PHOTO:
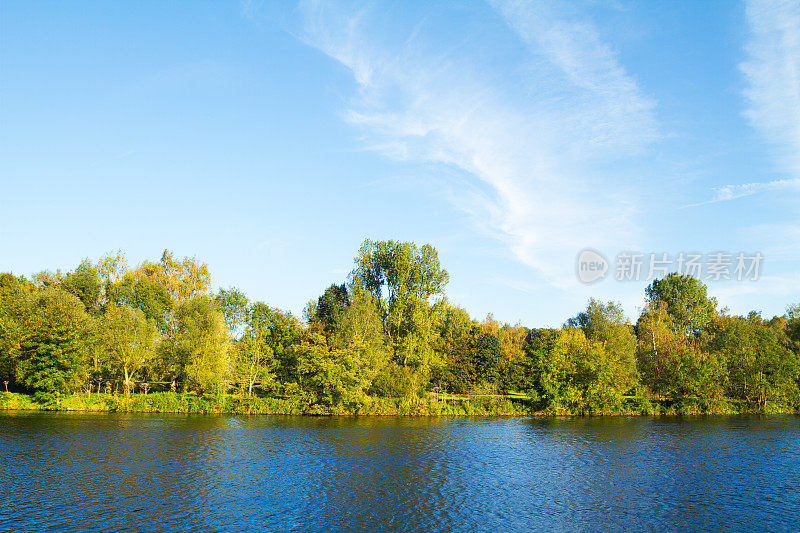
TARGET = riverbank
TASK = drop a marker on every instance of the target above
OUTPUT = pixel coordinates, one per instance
(517, 405)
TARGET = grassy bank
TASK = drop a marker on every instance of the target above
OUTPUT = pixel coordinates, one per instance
(516, 405)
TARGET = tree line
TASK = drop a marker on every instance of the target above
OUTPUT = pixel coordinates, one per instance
(387, 332)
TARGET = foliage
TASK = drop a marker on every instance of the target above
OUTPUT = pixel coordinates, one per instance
(388, 342)
(234, 307)
(579, 375)
(404, 279)
(278, 333)
(687, 302)
(670, 364)
(606, 324)
(183, 279)
(202, 345)
(127, 342)
(329, 308)
(760, 366)
(15, 306)
(145, 294)
(51, 350)
(84, 282)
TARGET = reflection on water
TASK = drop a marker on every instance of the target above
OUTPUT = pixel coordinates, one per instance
(112, 472)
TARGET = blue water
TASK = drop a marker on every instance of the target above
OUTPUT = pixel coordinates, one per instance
(126, 472)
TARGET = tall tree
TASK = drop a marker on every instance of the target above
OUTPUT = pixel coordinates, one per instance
(278, 333)
(84, 282)
(52, 352)
(330, 307)
(203, 345)
(404, 279)
(760, 367)
(145, 294)
(127, 341)
(578, 375)
(183, 279)
(687, 302)
(672, 365)
(254, 363)
(607, 324)
(793, 327)
(15, 308)
(234, 306)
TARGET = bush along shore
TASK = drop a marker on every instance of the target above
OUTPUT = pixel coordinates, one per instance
(387, 341)
(434, 405)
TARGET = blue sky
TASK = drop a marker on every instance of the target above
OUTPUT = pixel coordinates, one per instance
(270, 139)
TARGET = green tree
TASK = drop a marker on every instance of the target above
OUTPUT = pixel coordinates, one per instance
(329, 308)
(127, 341)
(254, 362)
(607, 324)
(760, 366)
(184, 279)
(147, 295)
(488, 354)
(278, 332)
(578, 375)
(404, 279)
(234, 306)
(688, 305)
(792, 327)
(203, 345)
(538, 346)
(461, 373)
(266, 349)
(453, 327)
(335, 379)
(84, 282)
(15, 308)
(52, 351)
(672, 365)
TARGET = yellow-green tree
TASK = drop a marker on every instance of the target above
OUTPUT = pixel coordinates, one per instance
(203, 345)
(127, 342)
(406, 280)
(761, 368)
(672, 365)
(606, 323)
(183, 279)
(579, 375)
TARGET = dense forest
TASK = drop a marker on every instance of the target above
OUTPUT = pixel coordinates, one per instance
(155, 337)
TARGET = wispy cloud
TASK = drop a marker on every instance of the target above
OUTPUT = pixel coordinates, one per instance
(734, 192)
(773, 76)
(772, 72)
(536, 132)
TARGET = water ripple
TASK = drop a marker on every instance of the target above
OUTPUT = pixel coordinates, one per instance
(118, 472)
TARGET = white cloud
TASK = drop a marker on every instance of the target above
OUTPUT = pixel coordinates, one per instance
(535, 130)
(772, 72)
(773, 76)
(734, 192)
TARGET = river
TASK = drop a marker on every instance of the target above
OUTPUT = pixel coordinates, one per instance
(133, 472)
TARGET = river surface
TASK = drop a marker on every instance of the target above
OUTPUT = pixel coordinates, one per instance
(132, 472)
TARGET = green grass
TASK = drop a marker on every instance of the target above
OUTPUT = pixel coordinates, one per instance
(442, 405)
